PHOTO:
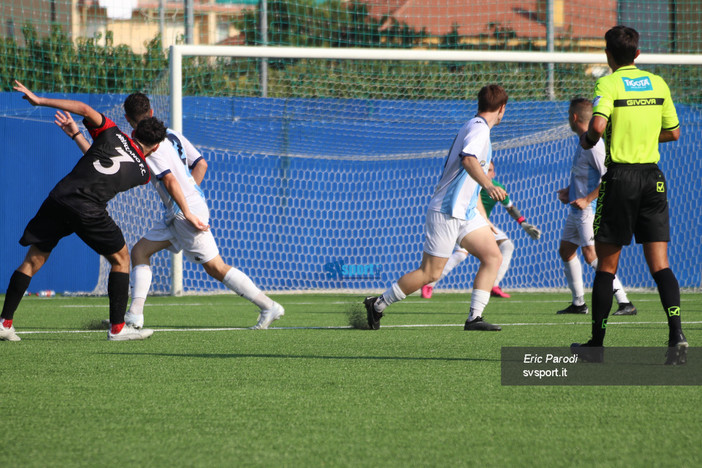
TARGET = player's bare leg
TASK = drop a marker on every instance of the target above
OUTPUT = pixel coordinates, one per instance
(481, 244)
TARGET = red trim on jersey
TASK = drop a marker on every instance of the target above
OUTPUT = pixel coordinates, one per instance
(95, 131)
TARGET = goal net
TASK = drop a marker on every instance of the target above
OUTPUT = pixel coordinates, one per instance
(319, 177)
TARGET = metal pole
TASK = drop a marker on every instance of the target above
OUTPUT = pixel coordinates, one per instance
(189, 22)
(162, 21)
(263, 29)
(550, 28)
(176, 92)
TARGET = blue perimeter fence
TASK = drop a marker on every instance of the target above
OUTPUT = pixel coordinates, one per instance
(335, 223)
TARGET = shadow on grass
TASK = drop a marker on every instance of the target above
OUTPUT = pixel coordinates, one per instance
(304, 356)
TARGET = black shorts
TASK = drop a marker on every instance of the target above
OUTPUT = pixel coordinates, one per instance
(54, 221)
(632, 201)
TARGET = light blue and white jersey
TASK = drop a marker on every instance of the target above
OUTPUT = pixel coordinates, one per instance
(457, 193)
(172, 157)
(586, 173)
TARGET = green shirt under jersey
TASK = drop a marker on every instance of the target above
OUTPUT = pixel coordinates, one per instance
(488, 202)
(637, 106)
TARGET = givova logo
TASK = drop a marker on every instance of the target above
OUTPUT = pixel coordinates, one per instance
(339, 270)
(637, 84)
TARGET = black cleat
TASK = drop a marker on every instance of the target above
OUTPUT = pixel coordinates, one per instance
(626, 308)
(480, 325)
(373, 315)
(676, 355)
(588, 352)
(573, 309)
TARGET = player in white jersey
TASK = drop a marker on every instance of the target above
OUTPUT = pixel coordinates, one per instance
(185, 225)
(585, 176)
(456, 216)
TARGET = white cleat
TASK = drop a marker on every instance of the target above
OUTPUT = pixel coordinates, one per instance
(267, 316)
(129, 333)
(8, 334)
(135, 320)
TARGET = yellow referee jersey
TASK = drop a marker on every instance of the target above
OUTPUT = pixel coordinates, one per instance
(637, 106)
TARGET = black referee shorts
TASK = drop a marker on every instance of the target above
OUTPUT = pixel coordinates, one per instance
(55, 221)
(632, 201)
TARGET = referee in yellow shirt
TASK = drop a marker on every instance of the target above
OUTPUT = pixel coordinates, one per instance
(634, 112)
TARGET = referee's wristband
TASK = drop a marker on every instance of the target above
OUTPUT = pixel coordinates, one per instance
(75, 135)
(587, 138)
(521, 220)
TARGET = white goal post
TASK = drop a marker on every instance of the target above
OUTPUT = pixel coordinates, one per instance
(179, 52)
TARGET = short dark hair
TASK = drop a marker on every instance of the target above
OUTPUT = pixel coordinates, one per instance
(581, 107)
(491, 98)
(137, 106)
(622, 44)
(150, 131)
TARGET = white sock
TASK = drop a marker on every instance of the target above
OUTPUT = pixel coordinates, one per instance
(458, 256)
(237, 281)
(478, 300)
(574, 276)
(141, 283)
(392, 295)
(507, 249)
(619, 292)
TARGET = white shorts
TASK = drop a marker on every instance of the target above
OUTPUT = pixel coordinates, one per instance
(442, 232)
(500, 235)
(197, 246)
(578, 228)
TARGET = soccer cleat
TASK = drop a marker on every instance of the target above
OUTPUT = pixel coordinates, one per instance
(588, 352)
(573, 309)
(135, 320)
(8, 334)
(129, 333)
(497, 292)
(480, 325)
(373, 315)
(625, 308)
(268, 316)
(427, 289)
(676, 355)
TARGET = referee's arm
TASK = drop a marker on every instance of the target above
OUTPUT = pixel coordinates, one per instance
(669, 135)
(595, 129)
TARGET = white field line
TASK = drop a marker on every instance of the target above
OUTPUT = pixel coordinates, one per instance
(426, 325)
(285, 303)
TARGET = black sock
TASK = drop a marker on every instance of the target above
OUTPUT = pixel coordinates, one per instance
(19, 282)
(669, 292)
(118, 294)
(602, 292)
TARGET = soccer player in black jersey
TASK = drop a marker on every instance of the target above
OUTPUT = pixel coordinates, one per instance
(78, 204)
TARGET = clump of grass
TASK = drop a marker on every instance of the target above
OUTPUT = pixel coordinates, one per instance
(356, 314)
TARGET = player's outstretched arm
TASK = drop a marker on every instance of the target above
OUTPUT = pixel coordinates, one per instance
(93, 117)
(173, 188)
(66, 123)
(530, 229)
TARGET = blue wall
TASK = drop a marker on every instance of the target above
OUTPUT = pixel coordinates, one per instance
(295, 223)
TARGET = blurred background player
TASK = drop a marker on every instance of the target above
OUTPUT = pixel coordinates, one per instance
(503, 242)
(585, 176)
(78, 204)
(456, 216)
(184, 227)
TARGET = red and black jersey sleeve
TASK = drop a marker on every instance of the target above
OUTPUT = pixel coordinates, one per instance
(96, 131)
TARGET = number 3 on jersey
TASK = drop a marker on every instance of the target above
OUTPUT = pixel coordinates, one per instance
(116, 161)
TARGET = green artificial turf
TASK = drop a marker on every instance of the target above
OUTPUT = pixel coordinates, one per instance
(314, 392)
